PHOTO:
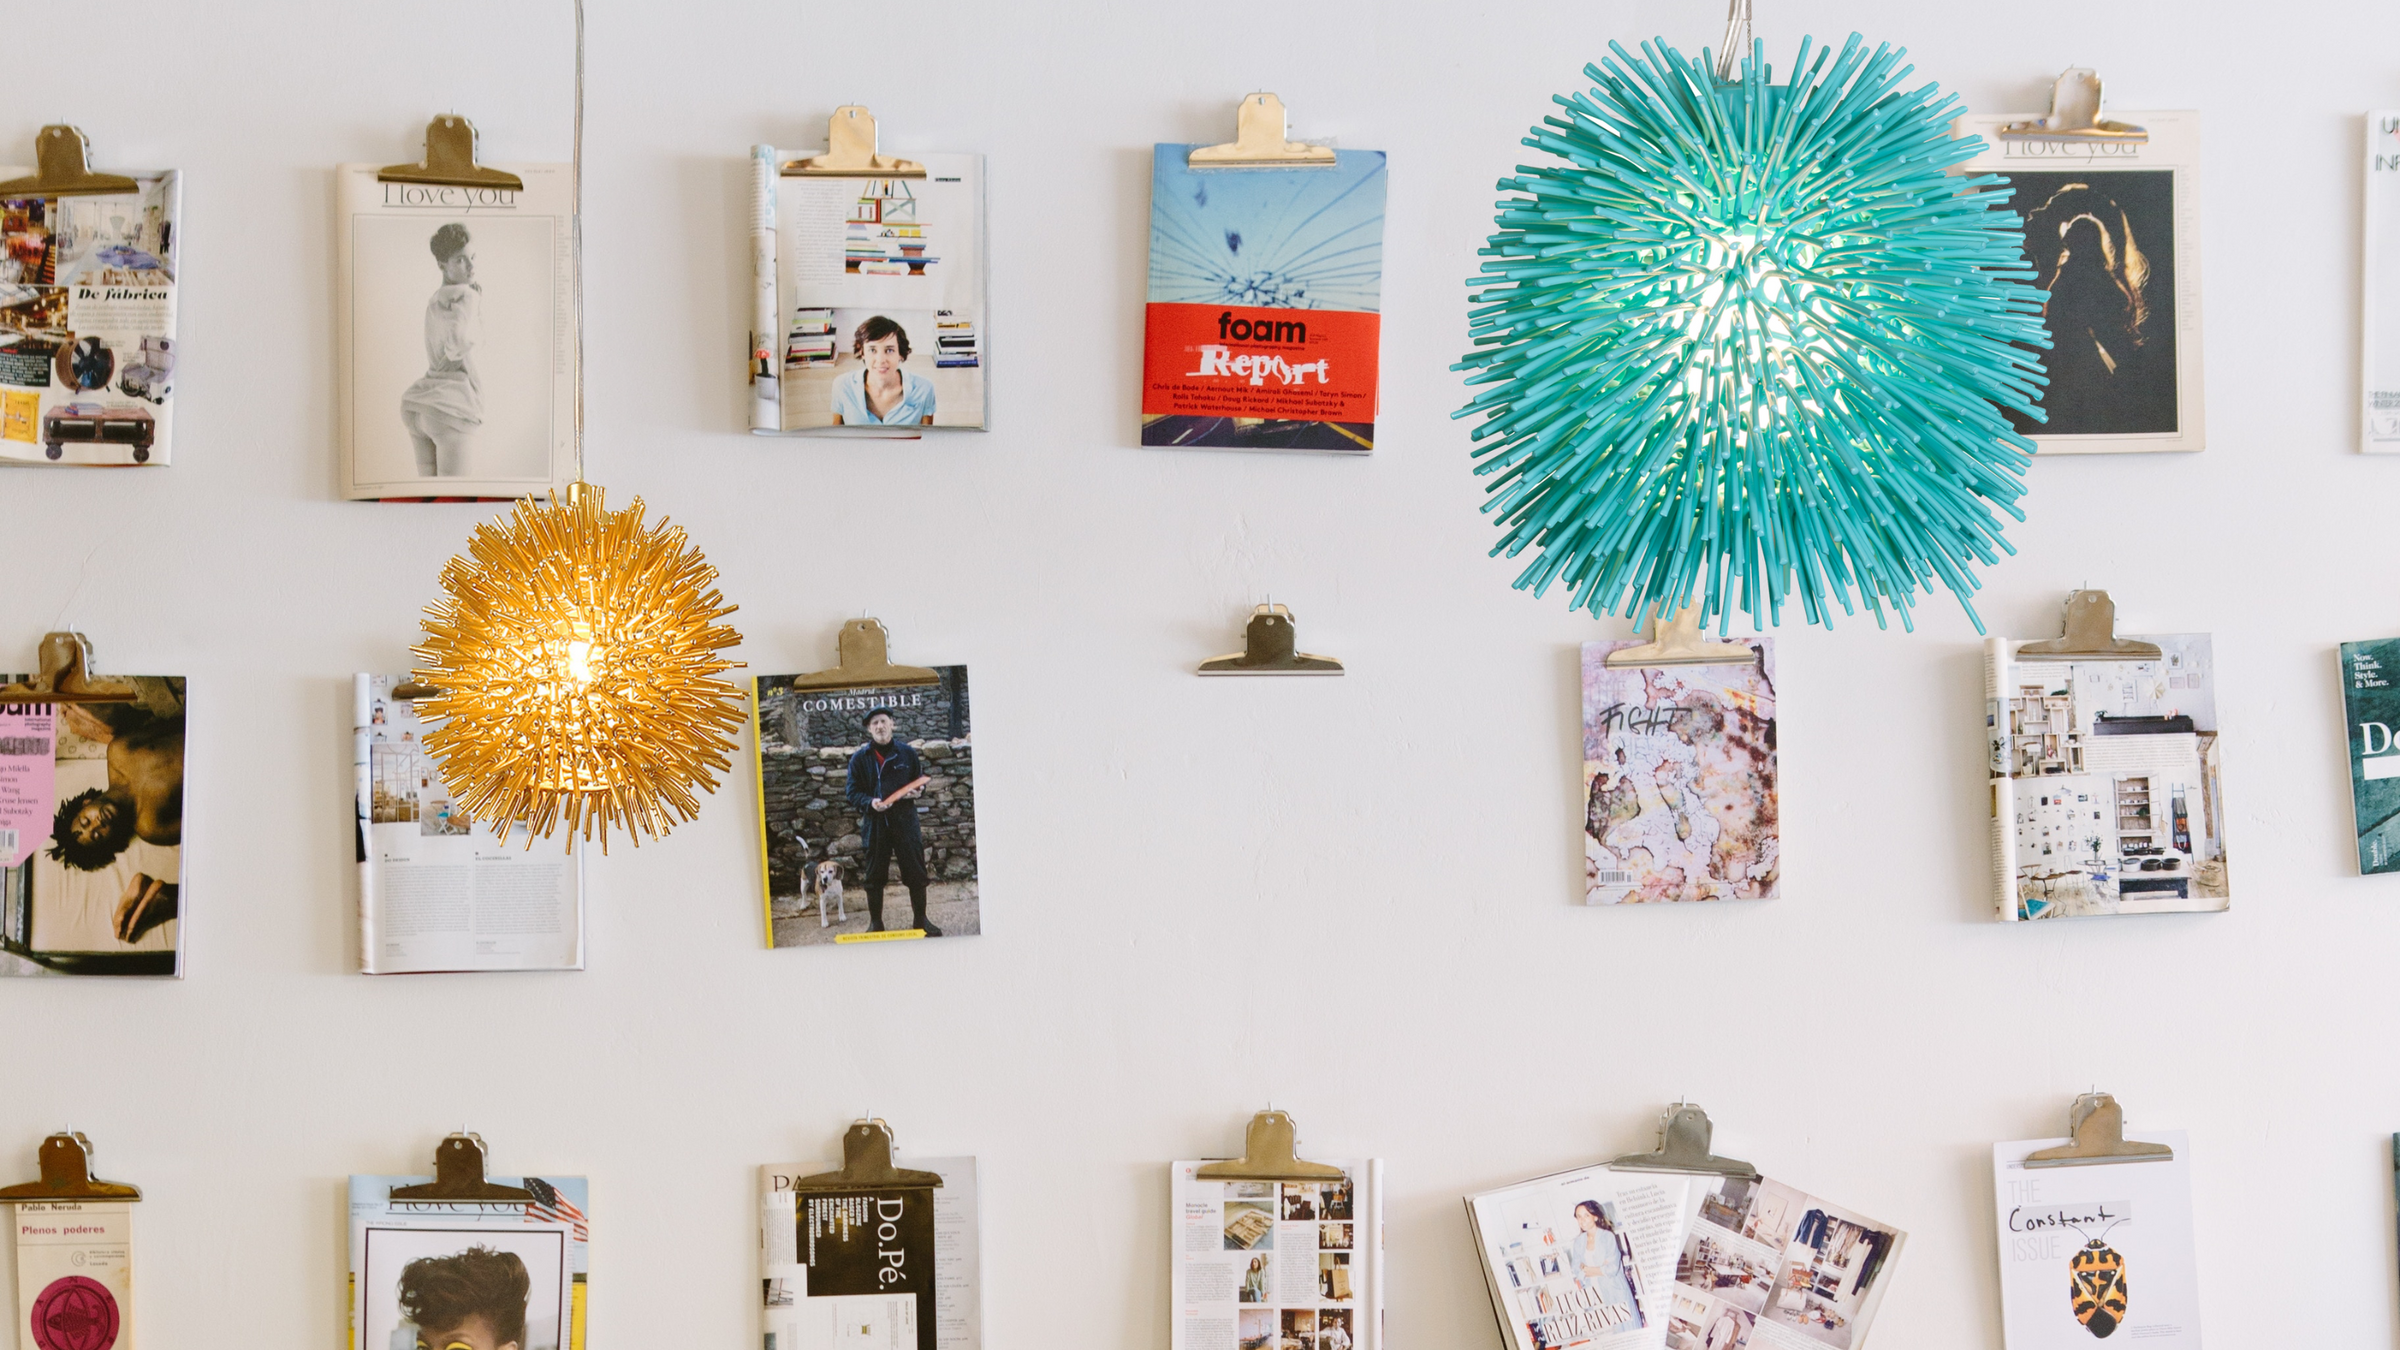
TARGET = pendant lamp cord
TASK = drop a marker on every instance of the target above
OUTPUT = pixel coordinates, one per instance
(576, 223)
(1729, 54)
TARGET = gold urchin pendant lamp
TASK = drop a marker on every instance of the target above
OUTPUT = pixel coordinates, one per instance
(574, 654)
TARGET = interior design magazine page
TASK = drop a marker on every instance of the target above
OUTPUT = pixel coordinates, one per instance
(2106, 791)
(867, 811)
(2112, 230)
(869, 299)
(2097, 1250)
(74, 1275)
(1264, 325)
(1260, 1265)
(2371, 709)
(1764, 1265)
(885, 1270)
(2379, 384)
(455, 326)
(435, 892)
(91, 833)
(87, 324)
(427, 1274)
(1679, 780)
(1582, 1258)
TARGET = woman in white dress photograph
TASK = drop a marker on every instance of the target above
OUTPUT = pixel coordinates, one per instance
(444, 409)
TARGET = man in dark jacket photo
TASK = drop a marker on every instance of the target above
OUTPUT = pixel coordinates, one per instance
(886, 774)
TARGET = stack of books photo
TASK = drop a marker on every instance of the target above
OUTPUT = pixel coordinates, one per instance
(954, 340)
(811, 341)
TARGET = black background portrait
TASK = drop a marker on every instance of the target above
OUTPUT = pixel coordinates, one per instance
(2112, 356)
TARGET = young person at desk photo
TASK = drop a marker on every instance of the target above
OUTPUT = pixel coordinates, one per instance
(879, 391)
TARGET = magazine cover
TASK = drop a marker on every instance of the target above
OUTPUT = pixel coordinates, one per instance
(2379, 384)
(432, 1274)
(1679, 780)
(843, 1271)
(74, 1275)
(2107, 795)
(1765, 1265)
(1264, 324)
(455, 321)
(857, 787)
(435, 892)
(87, 324)
(1581, 1258)
(2371, 708)
(2112, 231)
(870, 299)
(1265, 1265)
(91, 833)
(2098, 1250)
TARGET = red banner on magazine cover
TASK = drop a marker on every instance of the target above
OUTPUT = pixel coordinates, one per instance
(1301, 365)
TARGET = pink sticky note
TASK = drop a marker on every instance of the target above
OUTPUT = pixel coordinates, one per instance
(28, 768)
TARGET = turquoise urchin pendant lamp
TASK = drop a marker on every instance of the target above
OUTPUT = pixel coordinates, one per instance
(1754, 332)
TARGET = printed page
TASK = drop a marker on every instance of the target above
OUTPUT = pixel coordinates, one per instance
(1765, 1265)
(436, 892)
(400, 1248)
(2371, 709)
(2117, 800)
(2112, 230)
(87, 324)
(1261, 1264)
(2379, 351)
(1679, 780)
(455, 321)
(1264, 324)
(2094, 1251)
(799, 1319)
(100, 888)
(2003, 789)
(1583, 1258)
(766, 384)
(881, 298)
(74, 1275)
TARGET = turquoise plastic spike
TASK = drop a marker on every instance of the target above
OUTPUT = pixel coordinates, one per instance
(1753, 335)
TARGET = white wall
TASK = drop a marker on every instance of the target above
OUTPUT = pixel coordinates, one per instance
(1156, 845)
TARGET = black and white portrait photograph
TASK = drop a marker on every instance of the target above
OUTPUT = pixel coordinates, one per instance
(2111, 233)
(458, 332)
(2103, 246)
(476, 1288)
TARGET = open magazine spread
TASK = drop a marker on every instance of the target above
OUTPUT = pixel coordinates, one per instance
(456, 324)
(1582, 1258)
(434, 891)
(1679, 780)
(1767, 1266)
(868, 299)
(872, 1270)
(2112, 233)
(91, 833)
(74, 1275)
(2106, 792)
(87, 324)
(2097, 1250)
(421, 1271)
(1265, 1265)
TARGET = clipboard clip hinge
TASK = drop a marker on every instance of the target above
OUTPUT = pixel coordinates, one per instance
(62, 157)
(1261, 131)
(852, 150)
(2075, 115)
(66, 676)
(1684, 1134)
(450, 144)
(2098, 1124)
(1270, 647)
